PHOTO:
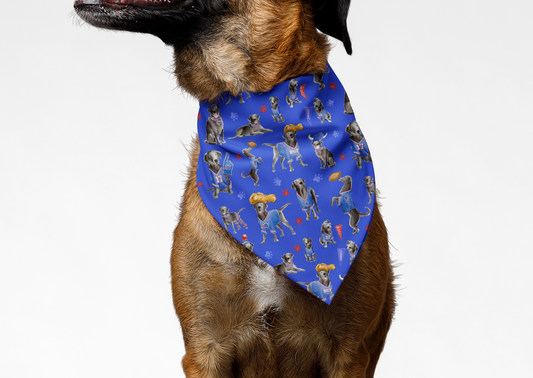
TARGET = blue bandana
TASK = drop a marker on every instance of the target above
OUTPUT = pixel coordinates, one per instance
(288, 173)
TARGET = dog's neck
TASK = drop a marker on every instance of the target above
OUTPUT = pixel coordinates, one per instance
(347, 186)
(233, 59)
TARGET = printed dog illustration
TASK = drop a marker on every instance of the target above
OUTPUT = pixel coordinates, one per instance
(347, 104)
(214, 126)
(276, 112)
(269, 220)
(239, 316)
(352, 250)
(251, 129)
(241, 100)
(254, 165)
(324, 155)
(317, 78)
(307, 198)
(358, 144)
(289, 149)
(288, 265)
(292, 96)
(321, 112)
(345, 202)
(309, 250)
(326, 234)
(232, 218)
(219, 172)
(247, 243)
(370, 187)
(321, 288)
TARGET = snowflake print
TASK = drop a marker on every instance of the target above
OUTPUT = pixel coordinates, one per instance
(296, 248)
(269, 254)
(332, 85)
(285, 192)
(336, 134)
(263, 108)
(330, 103)
(299, 221)
(318, 178)
(234, 116)
(277, 182)
(241, 195)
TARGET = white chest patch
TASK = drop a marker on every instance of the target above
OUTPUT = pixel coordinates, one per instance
(266, 288)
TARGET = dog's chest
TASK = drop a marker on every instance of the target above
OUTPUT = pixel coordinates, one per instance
(265, 288)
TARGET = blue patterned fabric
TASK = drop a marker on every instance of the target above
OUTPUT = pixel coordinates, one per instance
(297, 164)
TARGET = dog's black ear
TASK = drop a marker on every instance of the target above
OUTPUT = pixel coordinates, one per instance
(293, 186)
(330, 18)
(205, 157)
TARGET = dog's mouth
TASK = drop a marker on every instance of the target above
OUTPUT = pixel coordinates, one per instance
(121, 4)
(171, 20)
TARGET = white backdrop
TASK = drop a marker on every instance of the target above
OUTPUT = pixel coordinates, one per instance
(91, 174)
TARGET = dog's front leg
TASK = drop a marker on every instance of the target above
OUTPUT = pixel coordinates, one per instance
(302, 163)
(282, 160)
(264, 239)
(229, 184)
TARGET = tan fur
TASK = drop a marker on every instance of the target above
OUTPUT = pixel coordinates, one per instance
(261, 45)
(227, 319)
(239, 317)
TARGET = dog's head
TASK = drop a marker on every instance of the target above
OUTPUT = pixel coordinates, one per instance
(298, 185)
(307, 242)
(318, 105)
(290, 137)
(290, 131)
(355, 131)
(322, 272)
(287, 258)
(221, 44)
(259, 201)
(274, 102)
(249, 245)
(214, 110)
(317, 145)
(316, 140)
(213, 159)
(323, 275)
(293, 85)
(326, 227)
(368, 180)
(260, 207)
(224, 210)
(254, 120)
(352, 247)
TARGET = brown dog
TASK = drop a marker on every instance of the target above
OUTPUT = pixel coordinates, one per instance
(241, 318)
